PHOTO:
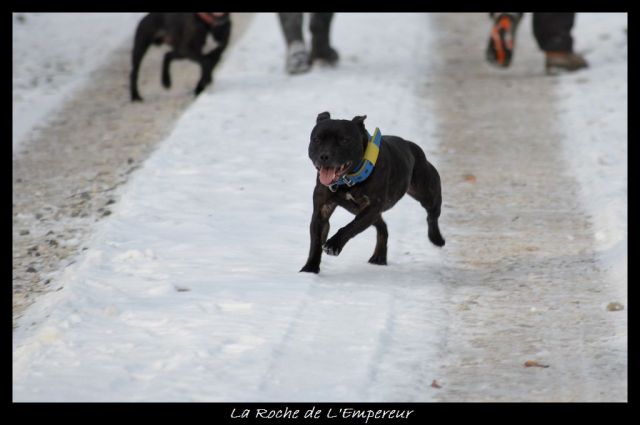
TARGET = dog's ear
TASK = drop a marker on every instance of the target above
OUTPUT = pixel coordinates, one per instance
(323, 116)
(359, 120)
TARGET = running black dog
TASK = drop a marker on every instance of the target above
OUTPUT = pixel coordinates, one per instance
(187, 34)
(366, 175)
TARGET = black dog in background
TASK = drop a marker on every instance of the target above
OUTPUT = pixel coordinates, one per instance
(340, 150)
(187, 34)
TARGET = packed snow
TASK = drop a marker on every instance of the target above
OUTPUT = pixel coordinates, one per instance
(190, 290)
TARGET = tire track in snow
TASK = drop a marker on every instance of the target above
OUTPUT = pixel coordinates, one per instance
(521, 272)
(278, 350)
(385, 340)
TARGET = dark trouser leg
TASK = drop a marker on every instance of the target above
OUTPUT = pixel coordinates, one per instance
(553, 31)
(320, 27)
(291, 24)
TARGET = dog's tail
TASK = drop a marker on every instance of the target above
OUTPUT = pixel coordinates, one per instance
(433, 211)
(426, 189)
(434, 231)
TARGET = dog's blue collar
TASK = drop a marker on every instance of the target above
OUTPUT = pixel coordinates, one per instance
(365, 168)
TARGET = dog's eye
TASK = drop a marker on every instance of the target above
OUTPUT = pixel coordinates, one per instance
(344, 141)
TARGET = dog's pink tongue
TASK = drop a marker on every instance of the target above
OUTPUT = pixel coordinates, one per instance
(327, 175)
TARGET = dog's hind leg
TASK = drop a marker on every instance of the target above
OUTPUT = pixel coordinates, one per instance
(425, 188)
(380, 252)
(205, 75)
(209, 61)
(145, 36)
(222, 34)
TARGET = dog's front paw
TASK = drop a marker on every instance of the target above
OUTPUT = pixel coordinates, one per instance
(309, 268)
(332, 246)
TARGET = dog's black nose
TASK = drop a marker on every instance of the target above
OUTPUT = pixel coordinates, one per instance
(324, 157)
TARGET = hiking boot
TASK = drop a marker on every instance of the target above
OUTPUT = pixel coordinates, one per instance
(328, 55)
(501, 40)
(557, 62)
(297, 58)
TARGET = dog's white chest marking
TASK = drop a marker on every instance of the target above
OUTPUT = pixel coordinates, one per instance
(327, 210)
(361, 202)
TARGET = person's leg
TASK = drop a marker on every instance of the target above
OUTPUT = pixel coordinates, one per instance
(320, 27)
(297, 60)
(552, 32)
(291, 24)
(502, 38)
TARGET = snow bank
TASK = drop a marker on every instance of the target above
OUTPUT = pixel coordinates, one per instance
(53, 55)
(592, 108)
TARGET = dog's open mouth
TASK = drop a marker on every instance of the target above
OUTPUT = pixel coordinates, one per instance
(330, 175)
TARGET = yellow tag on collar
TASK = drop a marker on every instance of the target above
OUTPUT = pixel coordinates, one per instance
(372, 151)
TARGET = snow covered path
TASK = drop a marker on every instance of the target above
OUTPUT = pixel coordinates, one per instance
(190, 290)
